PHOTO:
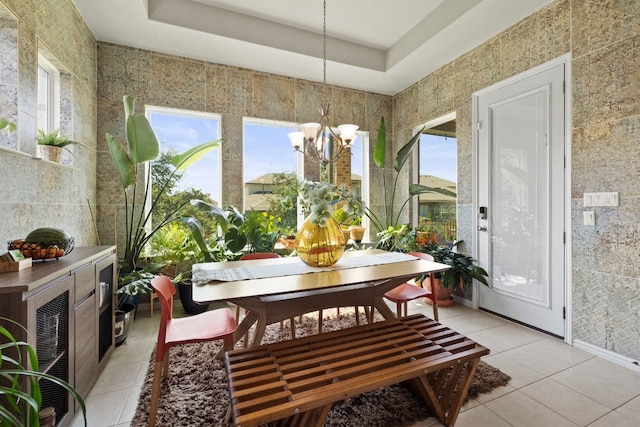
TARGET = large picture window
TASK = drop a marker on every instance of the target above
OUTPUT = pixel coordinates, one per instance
(437, 168)
(178, 131)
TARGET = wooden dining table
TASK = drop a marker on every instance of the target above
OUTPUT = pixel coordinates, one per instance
(277, 289)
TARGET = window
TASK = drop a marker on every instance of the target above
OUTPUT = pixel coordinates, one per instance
(271, 170)
(437, 169)
(178, 131)
(48, 112)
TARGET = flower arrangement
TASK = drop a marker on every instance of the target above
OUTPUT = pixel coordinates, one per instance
(317, 199)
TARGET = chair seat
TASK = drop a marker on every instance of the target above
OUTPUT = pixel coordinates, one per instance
(406, 292)
(203, 327)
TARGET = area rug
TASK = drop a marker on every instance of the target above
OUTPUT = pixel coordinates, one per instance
(196, 393)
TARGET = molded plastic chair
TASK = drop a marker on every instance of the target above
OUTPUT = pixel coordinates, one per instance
(209, 326)
(410, 291)
(263, 255)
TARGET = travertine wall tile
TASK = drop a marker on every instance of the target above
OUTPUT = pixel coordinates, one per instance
(52, 194)
(599, 24)
(273, 97)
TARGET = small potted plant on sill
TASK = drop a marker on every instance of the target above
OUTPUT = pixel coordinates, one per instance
(463, 270)
(52, 143)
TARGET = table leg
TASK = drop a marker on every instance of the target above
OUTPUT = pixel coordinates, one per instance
(261, 325)
(383, 308)
(243, 327)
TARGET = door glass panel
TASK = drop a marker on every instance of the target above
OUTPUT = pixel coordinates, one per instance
(519, 205)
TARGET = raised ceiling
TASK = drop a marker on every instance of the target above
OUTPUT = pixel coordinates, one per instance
(381, 46)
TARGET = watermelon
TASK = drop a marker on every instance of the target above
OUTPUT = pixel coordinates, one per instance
(48, 236)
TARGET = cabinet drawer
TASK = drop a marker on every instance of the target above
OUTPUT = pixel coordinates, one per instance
(85, 282)
(86, 348)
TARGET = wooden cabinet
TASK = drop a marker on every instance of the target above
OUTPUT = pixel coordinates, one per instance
(58, 301)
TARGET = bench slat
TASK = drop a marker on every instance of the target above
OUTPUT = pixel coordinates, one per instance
(295, 382)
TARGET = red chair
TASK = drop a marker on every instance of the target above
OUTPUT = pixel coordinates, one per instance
(209, 326)
(408, 291)
(263, 255)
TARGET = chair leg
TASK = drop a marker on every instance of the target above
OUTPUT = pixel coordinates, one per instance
(398, 309)
(435, 311)
(319, 321)
(338, 310)
(357, 316)
(292, 322)
(155, 393)
(165, 364)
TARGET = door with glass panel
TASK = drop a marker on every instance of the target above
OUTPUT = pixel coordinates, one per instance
(521, 197)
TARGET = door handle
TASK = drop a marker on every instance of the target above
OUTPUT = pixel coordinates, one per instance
(482, 228)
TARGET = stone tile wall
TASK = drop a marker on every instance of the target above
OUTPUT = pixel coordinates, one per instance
(170, 81)
(603, 39)
(38, 193)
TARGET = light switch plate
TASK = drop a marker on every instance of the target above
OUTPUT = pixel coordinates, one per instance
(589, 217)
(601, 199)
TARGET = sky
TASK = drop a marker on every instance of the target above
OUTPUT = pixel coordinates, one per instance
(438, 157)
(267, 149)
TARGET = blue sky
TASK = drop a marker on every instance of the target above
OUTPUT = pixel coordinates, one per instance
(267, 149)
(438, 157)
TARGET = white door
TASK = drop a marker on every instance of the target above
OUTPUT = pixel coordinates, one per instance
(521, 197)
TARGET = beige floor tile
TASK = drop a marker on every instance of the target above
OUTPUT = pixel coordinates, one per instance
(522, 411)
(631, 409)
(130, 405)
(548, 356)
(473, 321)
(103, 410)
(605, 382)
(521, 375)
(480, 416)
(505, 337)
(572, 405)
(116, 377)
(615, 419)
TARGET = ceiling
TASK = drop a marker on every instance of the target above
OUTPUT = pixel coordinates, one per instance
(381, 46)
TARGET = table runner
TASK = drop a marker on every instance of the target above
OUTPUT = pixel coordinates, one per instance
(207, 272)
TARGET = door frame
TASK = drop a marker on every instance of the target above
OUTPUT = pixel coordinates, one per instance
(561, 60)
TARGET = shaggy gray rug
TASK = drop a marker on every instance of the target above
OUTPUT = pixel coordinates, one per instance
(196, 393)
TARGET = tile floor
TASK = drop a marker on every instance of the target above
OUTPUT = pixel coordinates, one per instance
(552, 384)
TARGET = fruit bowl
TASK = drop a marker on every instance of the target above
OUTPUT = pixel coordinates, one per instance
(42, 251)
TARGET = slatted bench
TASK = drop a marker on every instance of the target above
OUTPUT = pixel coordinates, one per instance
(295, 382)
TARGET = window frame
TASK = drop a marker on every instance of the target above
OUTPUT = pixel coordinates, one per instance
(415, 163)
(52, 104)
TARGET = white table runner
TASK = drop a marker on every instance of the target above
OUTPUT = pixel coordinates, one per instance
(207, 272)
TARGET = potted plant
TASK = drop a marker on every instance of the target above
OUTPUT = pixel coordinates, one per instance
(390, 217)
(52, 143)
(130, 286)
(356, 230)
(463, 270)
(143, 148)
(20, 380)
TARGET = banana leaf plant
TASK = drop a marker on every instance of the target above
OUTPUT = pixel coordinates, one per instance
(390, 218)
(20, 382)
(229, 239)
(143, 148)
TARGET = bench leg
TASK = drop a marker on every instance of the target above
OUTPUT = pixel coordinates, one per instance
(444, 391)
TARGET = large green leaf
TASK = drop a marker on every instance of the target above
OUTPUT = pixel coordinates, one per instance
(143, 144)
(197, 234)
(405, 152)
(379, 150)
(219, 215)
(189, 157)
(126, 168)
(415, 189)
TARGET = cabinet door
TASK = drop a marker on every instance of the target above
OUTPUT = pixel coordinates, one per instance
(85, 282)
(86, 356)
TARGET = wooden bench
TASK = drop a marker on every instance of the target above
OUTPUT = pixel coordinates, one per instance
(294, 383)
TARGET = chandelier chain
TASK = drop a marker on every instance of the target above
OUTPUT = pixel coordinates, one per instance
(324, 47)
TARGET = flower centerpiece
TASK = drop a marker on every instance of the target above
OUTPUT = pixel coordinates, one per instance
(320, 241)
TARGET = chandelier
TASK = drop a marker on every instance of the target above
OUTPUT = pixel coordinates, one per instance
(315, 140)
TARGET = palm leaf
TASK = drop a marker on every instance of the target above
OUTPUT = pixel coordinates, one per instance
(189, 157)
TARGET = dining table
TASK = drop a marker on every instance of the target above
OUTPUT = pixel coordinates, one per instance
(275, 289)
